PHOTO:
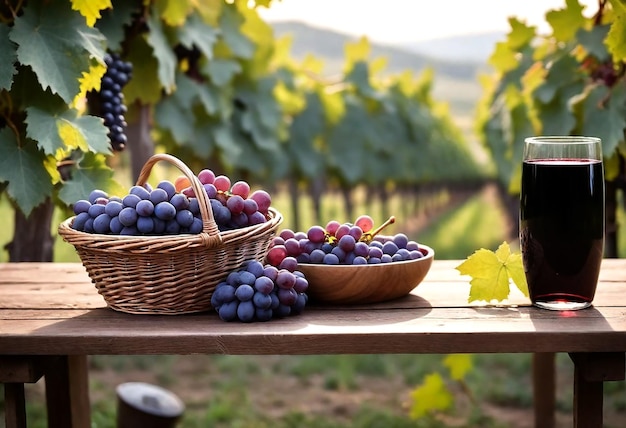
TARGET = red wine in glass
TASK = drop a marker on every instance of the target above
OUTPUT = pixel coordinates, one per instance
(562, 225)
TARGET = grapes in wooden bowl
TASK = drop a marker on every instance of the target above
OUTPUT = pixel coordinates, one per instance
(350, 263)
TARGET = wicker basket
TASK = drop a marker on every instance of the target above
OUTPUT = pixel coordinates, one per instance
(171, 274)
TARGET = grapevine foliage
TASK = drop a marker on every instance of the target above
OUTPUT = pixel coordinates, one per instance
(222, 91)
(568, 82)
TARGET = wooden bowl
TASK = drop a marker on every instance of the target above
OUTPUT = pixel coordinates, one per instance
(359, 284)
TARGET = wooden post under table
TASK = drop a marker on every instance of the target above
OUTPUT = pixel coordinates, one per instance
(591, 369)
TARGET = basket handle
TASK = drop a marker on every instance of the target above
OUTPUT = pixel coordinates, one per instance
(208, 222)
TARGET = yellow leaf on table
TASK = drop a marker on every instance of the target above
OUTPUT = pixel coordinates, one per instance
(491, 273)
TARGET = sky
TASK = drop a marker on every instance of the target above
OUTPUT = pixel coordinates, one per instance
(392, 21)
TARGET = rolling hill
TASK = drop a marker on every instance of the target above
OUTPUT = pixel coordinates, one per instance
(456, 81)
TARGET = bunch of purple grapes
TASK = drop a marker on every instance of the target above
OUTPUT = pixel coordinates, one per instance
(260, 292)
(348, 244)
(233, 205)
(112, 106)
(143, 211)
(165, 211)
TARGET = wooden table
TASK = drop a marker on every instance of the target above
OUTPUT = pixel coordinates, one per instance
(51, 319)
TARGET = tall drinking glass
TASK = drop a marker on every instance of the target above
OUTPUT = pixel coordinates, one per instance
(562, 220)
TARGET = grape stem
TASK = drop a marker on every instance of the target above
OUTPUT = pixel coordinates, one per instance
(371, 235)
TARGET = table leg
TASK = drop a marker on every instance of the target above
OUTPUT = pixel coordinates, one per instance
(544, 389)
(14, 405)
(591, 369)
(67, 393)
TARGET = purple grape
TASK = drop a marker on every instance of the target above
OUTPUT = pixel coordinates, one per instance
(128, 216)
(113, 208)
(293, 247)
(165, 211)
(159, 195)
(255, 268)
(184, 218)
(171, 226)
(285, 279)
(331, 259)
(262, 300)
(301, 284)
(256, 218)
(250, 206)
(263, 314)
(270, 271)
(346, 243)
(289, 263)
(246, 311)
(101, 223)
(390, 248)
(361, 249)
(287, 296)
(235, 204)
(244, 292)
(359, 260)
(401, 240)
(95, 210)
(264, 285)
(81, 206)
(145, 225)
(210, 190)
(180, 201)
(144, 208)
(356, 232)
(169, 188)
(95, 194)
(79, 221)
(228, 311)
(116, 226)
(316, 234)
(140, 191)
(317, 256)
(131, 200)
(247, 277)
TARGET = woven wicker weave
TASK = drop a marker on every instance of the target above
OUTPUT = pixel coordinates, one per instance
(171, 274)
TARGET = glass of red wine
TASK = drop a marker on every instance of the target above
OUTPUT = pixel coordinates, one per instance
(562, 220)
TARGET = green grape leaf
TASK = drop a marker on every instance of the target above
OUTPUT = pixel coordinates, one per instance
(557, 117)
(174, 12)
(90, 173)
(59, 130)
(492, 272)
(22, 166)
(503, 59)
(144, 86)
(305, 128)
(114, 22)
(604, 115)
(224, 137)
(8, 57)
(230, 24)
(616, 36)
(90, 9)
(164, 54)
(222, 71)
(560, 72)
(520, 34)
(458, 365)
(431, 395)
(197, 33)
(176, 117)
(566, 22)
(593, 41)
(57, 44)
